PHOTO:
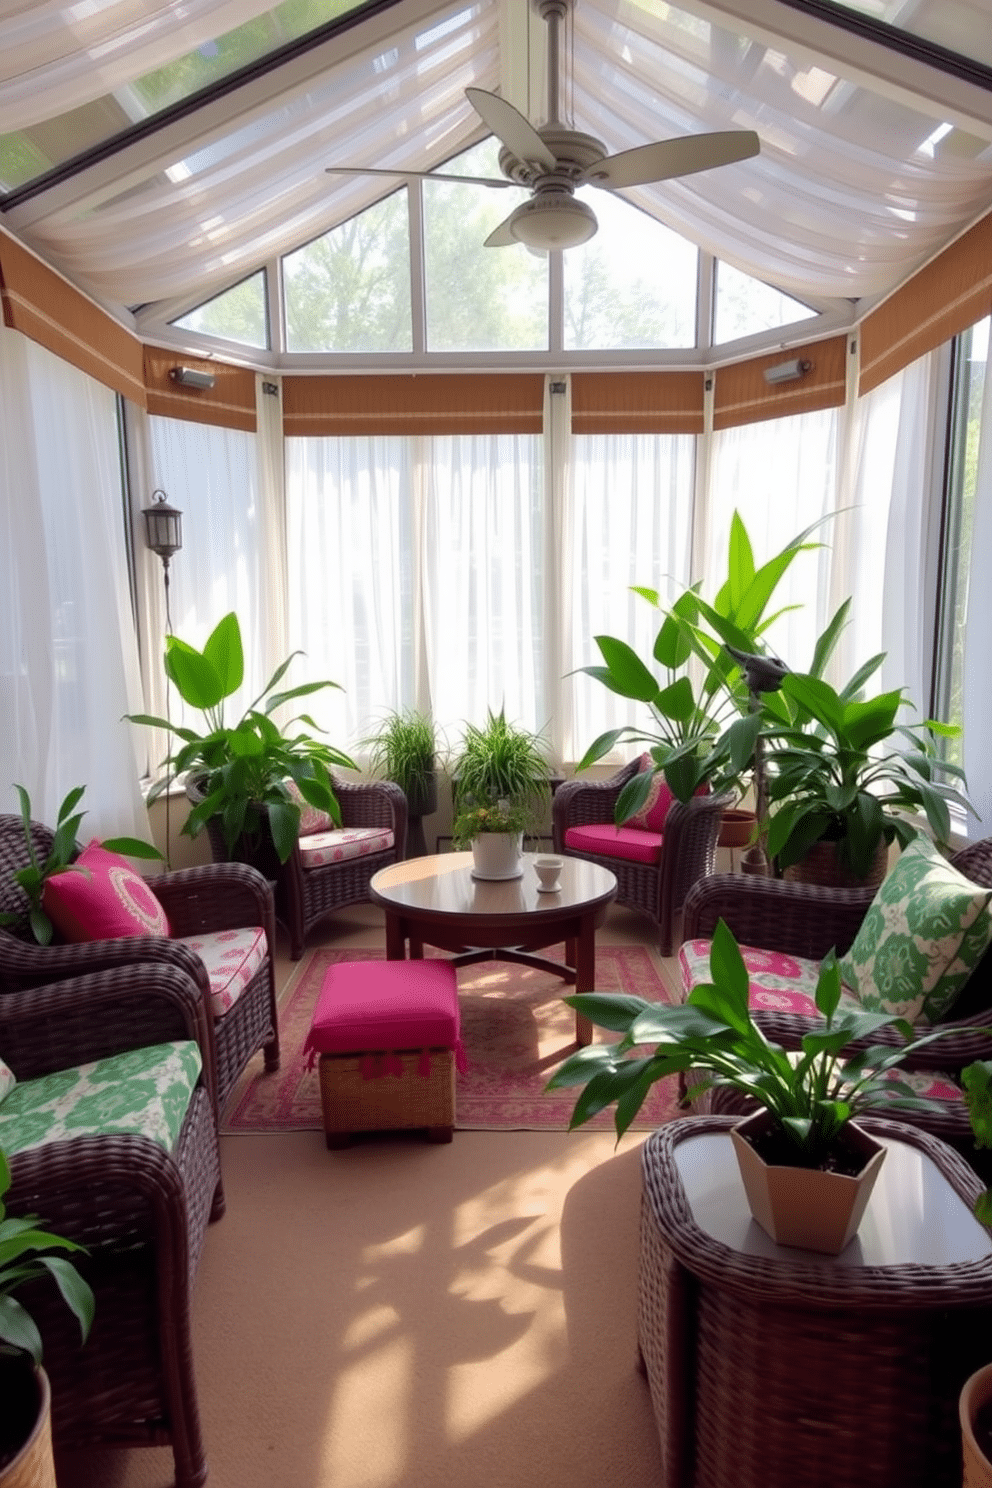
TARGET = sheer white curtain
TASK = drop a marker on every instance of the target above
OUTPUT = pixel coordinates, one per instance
(351, 544)
(484, 573)
(418, 577)
(977, 687)
(884, 537)
(212, 475)
(68, 655)
(781, 476)
(628, 520)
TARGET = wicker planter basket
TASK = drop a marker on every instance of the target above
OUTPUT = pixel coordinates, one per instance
(34, 1465)
(822, 866)
(975, 1393)
(387, 1102)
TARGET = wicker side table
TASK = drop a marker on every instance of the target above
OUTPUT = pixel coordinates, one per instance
(771, 1367)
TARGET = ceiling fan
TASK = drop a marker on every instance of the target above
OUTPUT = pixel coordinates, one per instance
(553, 160)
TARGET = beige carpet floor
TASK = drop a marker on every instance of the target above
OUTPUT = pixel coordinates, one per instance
(398, 1315)
(402, 1314)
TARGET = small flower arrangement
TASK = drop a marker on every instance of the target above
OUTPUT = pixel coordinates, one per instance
(498, 816)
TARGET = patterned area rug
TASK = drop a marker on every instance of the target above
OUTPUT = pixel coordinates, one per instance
(515, 1027)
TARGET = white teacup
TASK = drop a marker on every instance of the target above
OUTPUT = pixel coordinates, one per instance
(548, 870)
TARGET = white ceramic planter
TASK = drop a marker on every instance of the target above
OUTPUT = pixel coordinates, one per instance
(497, 855)
(803, 1206)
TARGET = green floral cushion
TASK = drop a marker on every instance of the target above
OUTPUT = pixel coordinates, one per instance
(142, 1093)
(926, 931)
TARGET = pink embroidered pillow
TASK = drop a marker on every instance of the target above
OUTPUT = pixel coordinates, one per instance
(107, 901)
(312, 819)
(651, 817)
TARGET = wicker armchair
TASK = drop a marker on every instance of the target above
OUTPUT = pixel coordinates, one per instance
(141, 1211)
(688, 851)
(305, 895)
(214, 897)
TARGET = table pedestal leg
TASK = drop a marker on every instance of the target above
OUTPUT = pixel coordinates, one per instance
(395, 939)
(585, 975)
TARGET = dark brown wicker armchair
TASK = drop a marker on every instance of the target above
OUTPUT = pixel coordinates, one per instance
(141, 1212)
(305, 895)
(688, 851)
(808, 920)
(220, 896)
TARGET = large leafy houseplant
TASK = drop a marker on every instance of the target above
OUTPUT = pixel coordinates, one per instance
(835, 773)
(703, 727)
(500, 765)
(244, 768)
(810, 1095)
(36, 873)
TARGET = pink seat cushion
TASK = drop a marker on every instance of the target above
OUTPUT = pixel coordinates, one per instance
(386, 1005)
(607, 841)
(102, 898)
(777, 983)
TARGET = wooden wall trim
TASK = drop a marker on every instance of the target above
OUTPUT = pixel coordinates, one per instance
(424, 403)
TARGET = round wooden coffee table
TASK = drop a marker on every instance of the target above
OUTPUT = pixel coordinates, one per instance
(436, 901)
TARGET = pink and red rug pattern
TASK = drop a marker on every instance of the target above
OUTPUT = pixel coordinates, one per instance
(515, 1027)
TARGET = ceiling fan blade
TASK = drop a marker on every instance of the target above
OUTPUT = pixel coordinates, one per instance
(674, 157)
(412, 175)
(509, 125)
(501, 237)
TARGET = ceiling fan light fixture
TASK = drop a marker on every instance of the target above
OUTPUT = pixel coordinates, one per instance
(553, 221)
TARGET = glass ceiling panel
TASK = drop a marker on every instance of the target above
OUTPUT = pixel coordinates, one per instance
(350, 290)
(478, 298)
(961, 26)
(745, 306)
(239, 314)
(28, 153)
(631, 286)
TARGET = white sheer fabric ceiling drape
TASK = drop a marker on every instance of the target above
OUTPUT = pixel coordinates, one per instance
(68, 657)
(853, 188)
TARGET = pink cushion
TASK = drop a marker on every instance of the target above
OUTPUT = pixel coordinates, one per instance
(320, 848)
(607, 841)
(777, 983)
(386, 1005)
(312, 819)
(233, 959)
(651, 817)
(107, 901)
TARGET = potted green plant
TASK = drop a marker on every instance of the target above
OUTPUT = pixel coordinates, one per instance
(404, 748)
(501, 786)
(808, 1100)
(240, 773)
(25, 1428)
(837, 783)
(703, 729)
(32, 878)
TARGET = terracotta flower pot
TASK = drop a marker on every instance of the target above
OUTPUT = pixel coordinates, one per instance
(33, 1465)
(807, 1207)
(976, 1393)
(736, 828)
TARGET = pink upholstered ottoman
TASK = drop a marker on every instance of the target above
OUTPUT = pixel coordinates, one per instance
(386, 1034)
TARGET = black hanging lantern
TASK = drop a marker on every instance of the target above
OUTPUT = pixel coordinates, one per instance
(163, 527)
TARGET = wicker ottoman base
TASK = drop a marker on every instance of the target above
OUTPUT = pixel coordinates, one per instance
(387, 1102)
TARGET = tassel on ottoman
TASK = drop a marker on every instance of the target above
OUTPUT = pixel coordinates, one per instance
(387, 1037)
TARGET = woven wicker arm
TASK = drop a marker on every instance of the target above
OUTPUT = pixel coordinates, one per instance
(579, 802)
(794, 919)
(93, 1016)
